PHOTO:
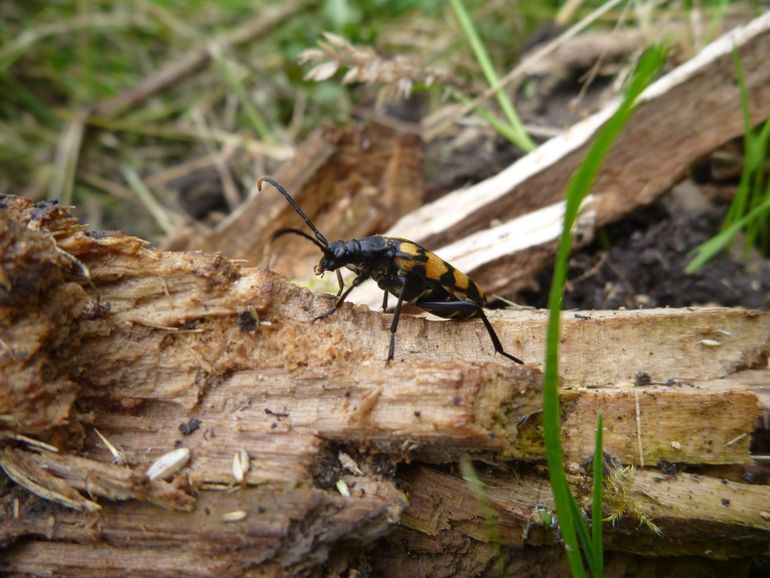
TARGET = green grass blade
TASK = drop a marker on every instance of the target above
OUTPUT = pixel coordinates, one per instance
(596, 500)
(762, 214)
(577, 189)
(258, 123)
(68, 150)
(757, 169)
(498, 125)
(738, 206)
(749, 205)
(707, 250)
(162, 217)
(224, 64)
(521, 139)
(583, 534)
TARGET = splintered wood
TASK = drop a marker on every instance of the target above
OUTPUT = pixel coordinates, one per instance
(351, 183)
(123, 356)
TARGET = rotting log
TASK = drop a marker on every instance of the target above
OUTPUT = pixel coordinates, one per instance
(116, 353)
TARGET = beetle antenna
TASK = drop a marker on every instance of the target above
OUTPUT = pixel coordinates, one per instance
(318, 235)
(285, 230)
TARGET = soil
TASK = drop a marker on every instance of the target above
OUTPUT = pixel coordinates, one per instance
(640, 262)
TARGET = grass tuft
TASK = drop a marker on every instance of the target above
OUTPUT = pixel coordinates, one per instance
(515, 130)
(751, 205)
(619, 500)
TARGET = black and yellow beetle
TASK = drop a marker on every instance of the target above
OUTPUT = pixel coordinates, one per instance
(401, 267)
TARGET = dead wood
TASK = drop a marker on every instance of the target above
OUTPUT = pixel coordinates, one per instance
(443, 532)
(503, 230)
(648, 506)
(109, 346)
(351, 183)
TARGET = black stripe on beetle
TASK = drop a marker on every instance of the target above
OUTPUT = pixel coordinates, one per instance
(400, 267)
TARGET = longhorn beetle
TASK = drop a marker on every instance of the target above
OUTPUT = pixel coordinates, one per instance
(405, 269)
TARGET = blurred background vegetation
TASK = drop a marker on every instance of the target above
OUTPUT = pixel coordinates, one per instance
(121, 107)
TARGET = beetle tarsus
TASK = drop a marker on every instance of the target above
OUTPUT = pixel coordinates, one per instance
(324, 315)
(467, 310)
(496, 341)
(341, 298)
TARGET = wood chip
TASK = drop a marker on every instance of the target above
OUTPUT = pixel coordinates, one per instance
(168, 464)
(343, 488)
(241, 465)
(235, 516)
(349, 464)
(118, 456)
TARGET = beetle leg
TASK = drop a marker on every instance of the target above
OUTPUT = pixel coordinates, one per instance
(340, 281)
(384, 301)
(466, 310)
(341, 299)
(495, 341)
(393, 327)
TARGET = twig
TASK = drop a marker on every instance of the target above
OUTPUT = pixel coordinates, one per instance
(32, 442)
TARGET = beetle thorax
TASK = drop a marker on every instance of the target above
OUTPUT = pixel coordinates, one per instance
(359, 255)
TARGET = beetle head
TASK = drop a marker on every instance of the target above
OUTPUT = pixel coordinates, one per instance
(335, 256)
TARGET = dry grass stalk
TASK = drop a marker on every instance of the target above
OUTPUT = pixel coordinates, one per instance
(397, 75)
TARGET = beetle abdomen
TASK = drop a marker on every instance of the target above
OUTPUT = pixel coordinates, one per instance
(415, 260)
